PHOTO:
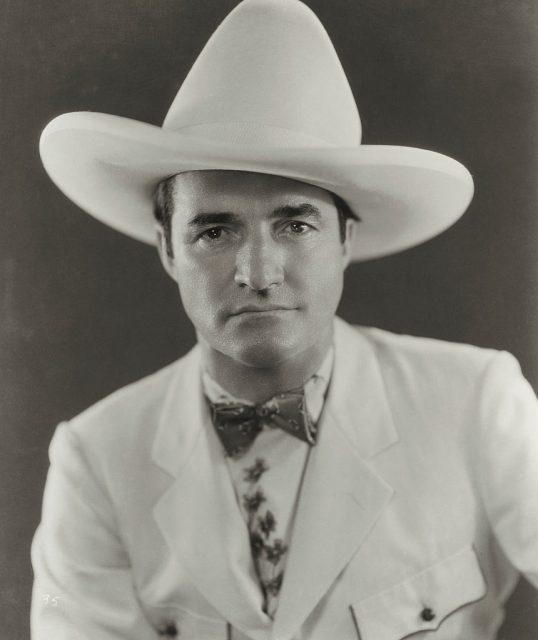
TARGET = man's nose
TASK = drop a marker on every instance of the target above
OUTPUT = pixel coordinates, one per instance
(259, 265)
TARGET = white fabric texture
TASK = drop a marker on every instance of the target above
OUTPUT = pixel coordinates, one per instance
(420, 495)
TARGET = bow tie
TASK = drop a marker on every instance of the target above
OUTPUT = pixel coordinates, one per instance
(237, 425)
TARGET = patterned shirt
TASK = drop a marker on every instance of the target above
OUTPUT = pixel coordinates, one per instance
(267, 480)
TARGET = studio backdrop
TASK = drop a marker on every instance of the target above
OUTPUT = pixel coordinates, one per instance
(85, 310)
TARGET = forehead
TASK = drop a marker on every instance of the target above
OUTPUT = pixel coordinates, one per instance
(210, 190)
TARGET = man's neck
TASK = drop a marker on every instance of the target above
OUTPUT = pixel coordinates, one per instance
(257, 384)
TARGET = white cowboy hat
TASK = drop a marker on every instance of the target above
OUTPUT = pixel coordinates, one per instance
(267, 94)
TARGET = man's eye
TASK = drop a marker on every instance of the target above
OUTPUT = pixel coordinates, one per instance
(215, 233)
(298, 227)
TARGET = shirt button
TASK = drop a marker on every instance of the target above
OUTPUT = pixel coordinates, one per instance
(427, 614)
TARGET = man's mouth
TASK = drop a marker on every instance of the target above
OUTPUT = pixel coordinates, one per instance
(253, 309)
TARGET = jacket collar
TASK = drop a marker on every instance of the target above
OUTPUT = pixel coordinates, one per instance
(358, 396)
(341, 497)
(199, 516)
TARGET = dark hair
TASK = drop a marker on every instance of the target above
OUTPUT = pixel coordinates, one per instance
(163, 208)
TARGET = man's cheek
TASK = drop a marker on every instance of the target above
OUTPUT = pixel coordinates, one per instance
(321, 279)
(328, 291)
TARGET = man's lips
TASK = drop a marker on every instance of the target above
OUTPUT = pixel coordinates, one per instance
(247, 309)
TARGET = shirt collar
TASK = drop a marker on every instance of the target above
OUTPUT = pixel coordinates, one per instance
(315, 388)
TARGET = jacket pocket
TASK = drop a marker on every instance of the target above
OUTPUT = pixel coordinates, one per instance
(421, 602)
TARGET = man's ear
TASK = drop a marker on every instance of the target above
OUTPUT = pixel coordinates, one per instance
(166, 259)
(351, 227)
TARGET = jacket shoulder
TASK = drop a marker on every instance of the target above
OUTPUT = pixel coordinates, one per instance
(440, 378)
(448, 373)
(428, 353)
(128, 415)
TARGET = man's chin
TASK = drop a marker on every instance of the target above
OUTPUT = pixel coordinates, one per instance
(264, 354)
(264, 340)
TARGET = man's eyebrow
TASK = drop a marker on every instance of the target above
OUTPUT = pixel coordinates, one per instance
(296, 210)
(226, 217)
(220, 217)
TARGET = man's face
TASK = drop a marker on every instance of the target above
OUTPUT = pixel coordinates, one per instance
(259, 263)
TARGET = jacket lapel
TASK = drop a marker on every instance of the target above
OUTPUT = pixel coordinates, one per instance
(341, 497)
(198, 514)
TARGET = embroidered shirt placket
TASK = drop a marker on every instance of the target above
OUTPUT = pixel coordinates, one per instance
(267, 479)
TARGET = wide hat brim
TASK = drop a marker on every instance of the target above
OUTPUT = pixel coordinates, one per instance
(110, 167)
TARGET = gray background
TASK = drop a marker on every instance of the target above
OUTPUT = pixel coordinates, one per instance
(85, 310)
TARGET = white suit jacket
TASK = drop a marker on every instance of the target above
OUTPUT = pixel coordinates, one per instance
(419, 506)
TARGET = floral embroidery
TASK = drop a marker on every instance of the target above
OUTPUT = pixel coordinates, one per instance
(252, 502)
(267, 552)
(256, 544)
(267, 524)
(274, 553)
(255, 472)
(237, 426)
(272, 586)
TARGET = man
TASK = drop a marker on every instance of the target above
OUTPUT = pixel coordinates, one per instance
(292, 476)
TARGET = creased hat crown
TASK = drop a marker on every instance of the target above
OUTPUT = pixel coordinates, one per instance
(267, 94)
(269, 75)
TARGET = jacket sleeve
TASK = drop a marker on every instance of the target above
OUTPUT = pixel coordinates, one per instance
(82, 580)
(508, 450)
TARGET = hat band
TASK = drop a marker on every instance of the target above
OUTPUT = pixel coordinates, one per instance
(252, 134)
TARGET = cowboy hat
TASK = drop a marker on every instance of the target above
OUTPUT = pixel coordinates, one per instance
(267, 94)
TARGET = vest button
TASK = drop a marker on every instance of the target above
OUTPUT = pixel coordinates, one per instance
(427, 614)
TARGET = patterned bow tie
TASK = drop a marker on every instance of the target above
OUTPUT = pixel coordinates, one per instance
(238, 425)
